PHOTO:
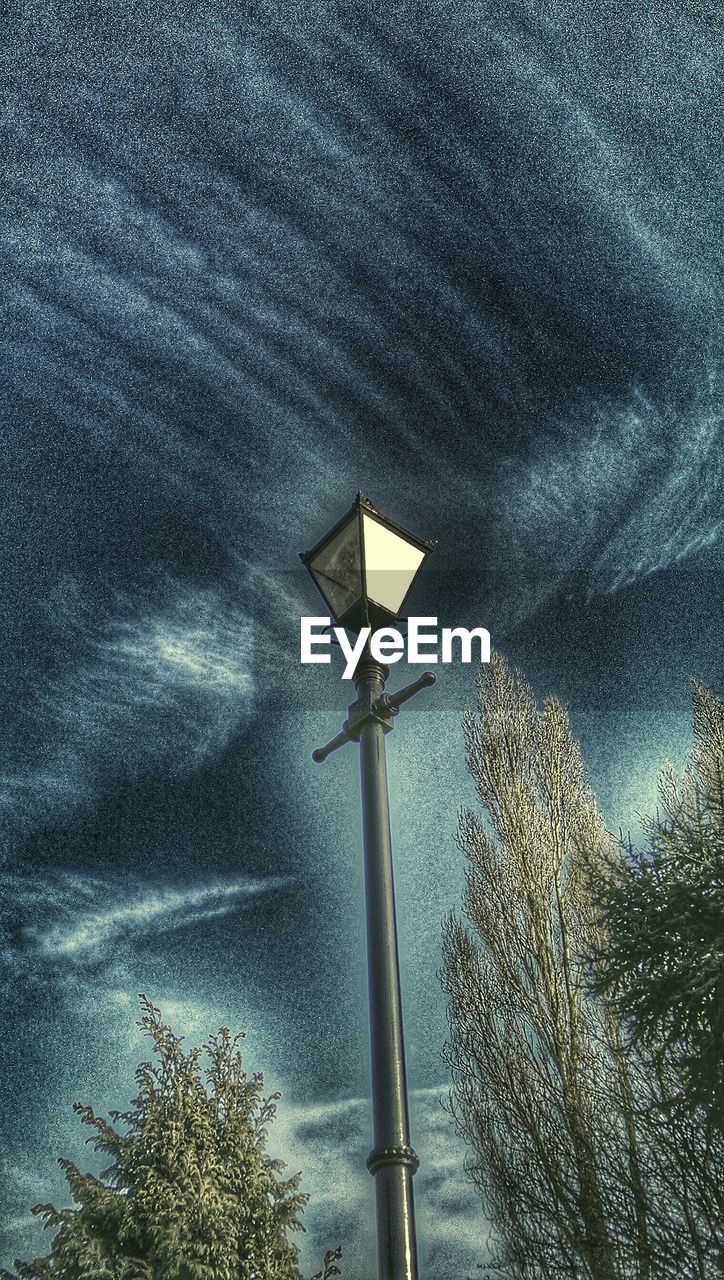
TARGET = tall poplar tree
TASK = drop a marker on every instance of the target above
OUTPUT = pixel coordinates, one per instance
(553, 1100)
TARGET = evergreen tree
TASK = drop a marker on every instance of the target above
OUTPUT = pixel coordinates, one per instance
(580, 1175)
(190, 1192)
(664, 917)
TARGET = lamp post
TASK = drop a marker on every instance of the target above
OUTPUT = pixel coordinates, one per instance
(365, 568)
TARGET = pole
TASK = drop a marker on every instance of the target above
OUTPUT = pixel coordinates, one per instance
(392, 1160)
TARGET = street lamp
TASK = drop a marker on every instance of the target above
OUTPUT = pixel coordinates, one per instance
(365, 568)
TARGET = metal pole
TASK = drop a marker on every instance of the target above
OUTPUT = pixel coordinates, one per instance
(392, 1160)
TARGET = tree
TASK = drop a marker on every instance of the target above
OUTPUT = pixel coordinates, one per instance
(663, 910)
(553, 1101)
(190, 1193)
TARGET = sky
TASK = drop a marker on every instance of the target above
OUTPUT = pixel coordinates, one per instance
(464, 257)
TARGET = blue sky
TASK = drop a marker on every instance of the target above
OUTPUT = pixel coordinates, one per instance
(462, 257)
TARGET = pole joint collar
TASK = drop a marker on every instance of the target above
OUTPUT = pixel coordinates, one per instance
(383, 1157)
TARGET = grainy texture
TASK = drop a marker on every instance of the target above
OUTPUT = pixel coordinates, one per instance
(462, 256)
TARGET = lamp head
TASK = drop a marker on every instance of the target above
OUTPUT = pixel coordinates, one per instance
(366, 566)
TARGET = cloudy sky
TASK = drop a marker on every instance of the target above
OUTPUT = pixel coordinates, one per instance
(464, 257)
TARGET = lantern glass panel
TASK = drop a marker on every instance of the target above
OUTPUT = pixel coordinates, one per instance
(337, 569)
(391, 563)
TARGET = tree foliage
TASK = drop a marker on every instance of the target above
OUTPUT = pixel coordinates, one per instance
(190, 1192)
(664, 916)
(580, 1172)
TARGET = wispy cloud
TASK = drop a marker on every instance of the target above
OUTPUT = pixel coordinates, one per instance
(81, 919)
(153, 912)
(681, 511)
(158, 684)
(630, 490)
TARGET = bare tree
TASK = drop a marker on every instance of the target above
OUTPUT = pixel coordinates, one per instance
(561, 1112)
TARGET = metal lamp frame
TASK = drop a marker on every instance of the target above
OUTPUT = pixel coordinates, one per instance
(364, 611)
